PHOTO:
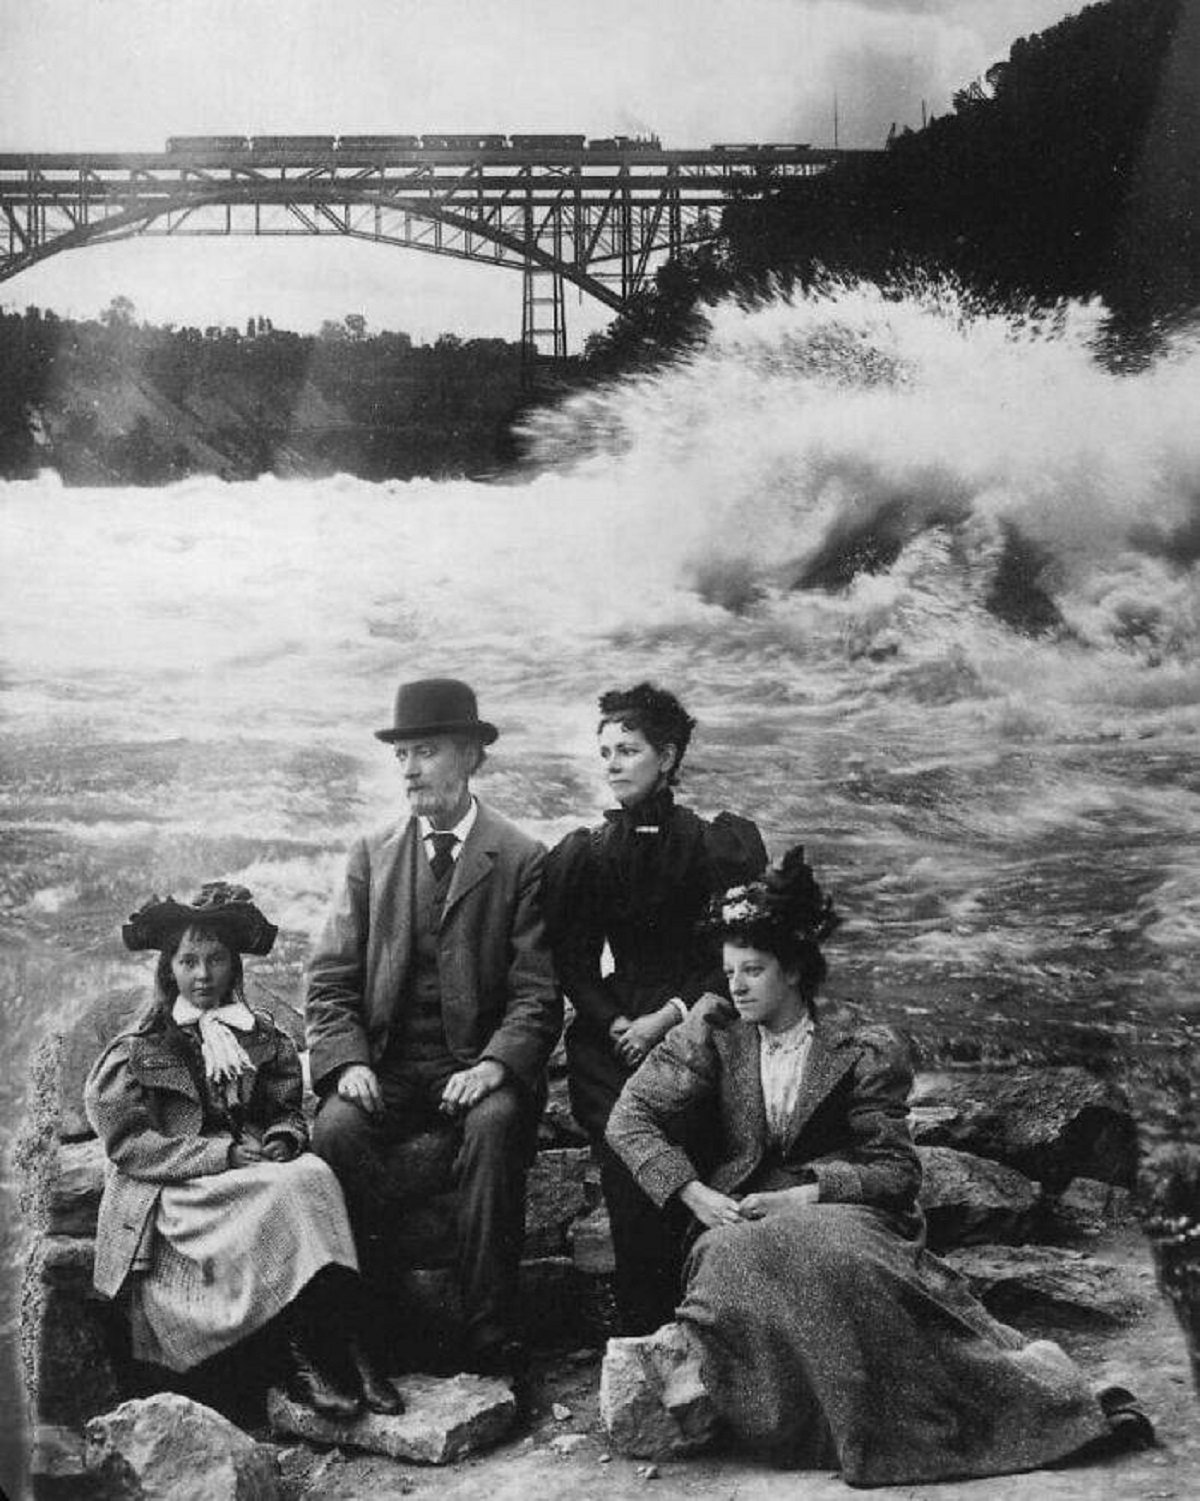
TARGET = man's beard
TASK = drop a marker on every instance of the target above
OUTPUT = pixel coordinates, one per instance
(437, 803)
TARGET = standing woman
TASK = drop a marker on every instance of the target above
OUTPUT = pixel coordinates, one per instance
(827, 1334)
(215, 1218)
(639, 883)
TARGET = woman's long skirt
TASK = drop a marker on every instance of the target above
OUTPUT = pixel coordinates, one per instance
(830, 1340)
(232, 1250)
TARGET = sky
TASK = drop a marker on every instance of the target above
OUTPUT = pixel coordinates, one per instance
(126, 74)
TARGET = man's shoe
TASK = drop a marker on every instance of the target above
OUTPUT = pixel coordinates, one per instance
(378, 1392)
(316, 1388)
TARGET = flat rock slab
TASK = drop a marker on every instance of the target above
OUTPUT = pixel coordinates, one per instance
(1016, 1282)
(445, 1417)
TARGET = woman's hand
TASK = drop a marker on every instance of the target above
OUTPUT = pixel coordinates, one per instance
(247, 1152)
(710, 1207)
(762, 1206)
(638, 1037)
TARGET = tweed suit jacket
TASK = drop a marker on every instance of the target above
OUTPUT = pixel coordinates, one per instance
(143, 1104)
(500, 997)
(851, 1128)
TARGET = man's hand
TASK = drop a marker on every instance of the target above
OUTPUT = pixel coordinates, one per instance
(710, 1207)
(762, 1206)
(471, 1085)
(358, 1084)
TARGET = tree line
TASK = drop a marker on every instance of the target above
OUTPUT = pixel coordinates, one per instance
(112, 400)
(1069, 170)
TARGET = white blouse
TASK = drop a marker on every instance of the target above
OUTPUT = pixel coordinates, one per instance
(782, 1057)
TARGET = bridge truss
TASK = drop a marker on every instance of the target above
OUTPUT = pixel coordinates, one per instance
(601, 221)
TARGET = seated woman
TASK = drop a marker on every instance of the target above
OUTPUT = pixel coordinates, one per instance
(827, 1335)
(215, 1218)
(639, 884)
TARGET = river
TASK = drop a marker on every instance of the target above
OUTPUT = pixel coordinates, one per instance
(189, 677)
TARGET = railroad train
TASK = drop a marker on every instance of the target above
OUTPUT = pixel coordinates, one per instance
(370, 145)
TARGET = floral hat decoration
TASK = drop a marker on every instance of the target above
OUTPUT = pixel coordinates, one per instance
(219, 906)
(786, 899)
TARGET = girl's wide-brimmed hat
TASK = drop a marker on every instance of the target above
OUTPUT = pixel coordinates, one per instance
(220, 908)
(437, 706)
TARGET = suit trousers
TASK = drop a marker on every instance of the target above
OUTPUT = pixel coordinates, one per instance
(482, 1155)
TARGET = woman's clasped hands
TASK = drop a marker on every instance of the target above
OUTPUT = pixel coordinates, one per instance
(713, 1208)
(250, 1149)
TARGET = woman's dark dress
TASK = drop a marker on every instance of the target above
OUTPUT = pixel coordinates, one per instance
(639, 883)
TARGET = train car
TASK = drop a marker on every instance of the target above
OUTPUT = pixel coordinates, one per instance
(463, 141)
(377, 144)
(177, 145)
(272, 145)
(548, 143)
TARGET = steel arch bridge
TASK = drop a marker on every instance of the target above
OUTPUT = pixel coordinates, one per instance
(599, 215)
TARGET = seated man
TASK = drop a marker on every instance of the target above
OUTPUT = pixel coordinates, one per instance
(432, 999)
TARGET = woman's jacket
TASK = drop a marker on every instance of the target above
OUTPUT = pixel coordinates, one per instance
(148, 1103)
(850, 1132)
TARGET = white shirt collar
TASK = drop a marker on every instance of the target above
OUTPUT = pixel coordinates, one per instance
(790, 1041)
(460, 830)
(234, 1014)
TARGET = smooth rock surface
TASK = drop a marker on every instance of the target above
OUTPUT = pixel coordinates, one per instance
(1086, 1208)
(1047, 1283)
(445, 1418)
(170, 1447)
(652, 1400)
(969, 1200)
(75, 1189)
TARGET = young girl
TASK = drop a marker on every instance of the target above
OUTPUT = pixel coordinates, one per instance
(215, 1218)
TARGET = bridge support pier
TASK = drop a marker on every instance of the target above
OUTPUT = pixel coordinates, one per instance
(543, 316)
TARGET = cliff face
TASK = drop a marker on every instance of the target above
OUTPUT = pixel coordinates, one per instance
(112, 402)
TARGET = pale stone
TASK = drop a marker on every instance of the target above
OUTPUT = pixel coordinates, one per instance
(445, 1417)
(652, 1400)
(172, 1448)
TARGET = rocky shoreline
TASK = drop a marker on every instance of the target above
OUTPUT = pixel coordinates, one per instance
(1028, 1187)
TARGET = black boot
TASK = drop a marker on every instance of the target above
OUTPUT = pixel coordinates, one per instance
(310, 1379)
(378, 1392)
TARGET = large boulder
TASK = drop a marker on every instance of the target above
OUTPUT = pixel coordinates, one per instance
(172, 1448)
(1052, 1124)
(969, 1200)
(1049, 1285)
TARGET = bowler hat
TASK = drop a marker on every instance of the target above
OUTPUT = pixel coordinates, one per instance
(437, 706)
(225, 910)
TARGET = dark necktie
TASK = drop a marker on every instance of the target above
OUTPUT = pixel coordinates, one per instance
(441, 862)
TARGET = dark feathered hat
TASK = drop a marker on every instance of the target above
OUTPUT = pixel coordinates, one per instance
(223, 909)
(787, 899)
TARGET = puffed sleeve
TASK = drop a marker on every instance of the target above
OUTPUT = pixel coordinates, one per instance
(734, 853)
(118, 1107)
(882, 1168)
(575, 925)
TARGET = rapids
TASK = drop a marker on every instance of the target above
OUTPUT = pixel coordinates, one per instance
(1009, 821)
